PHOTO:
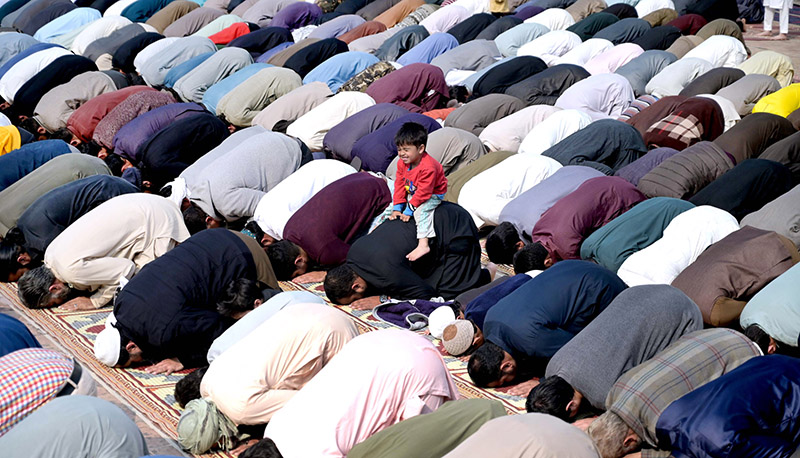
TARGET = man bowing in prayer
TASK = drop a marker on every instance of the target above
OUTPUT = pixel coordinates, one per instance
(172, 311)
(111, 242)
(377, 264)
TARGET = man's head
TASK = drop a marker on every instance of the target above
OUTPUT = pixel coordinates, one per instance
(31, 125)
(241, 296)
(502, 243)
(491, 367)
(288, 260)
(533, 256)
(265, 448)
(113, 350)
(343, 285)
(188, 388)
(554, 396)
(14, 261)
(197, 220)
(116, 163)
(410, 141)
(261, 237)
(462, 337)
(39, 288)
(765, 342)
(459, 94)
(613, 437)
(66, 135)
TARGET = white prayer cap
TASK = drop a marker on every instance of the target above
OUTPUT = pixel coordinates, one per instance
(107, 346)
(439, 320)
(458, 337)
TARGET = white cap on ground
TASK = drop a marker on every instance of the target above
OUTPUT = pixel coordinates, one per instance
(439, 320)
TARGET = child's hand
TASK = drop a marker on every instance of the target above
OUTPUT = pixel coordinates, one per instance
(404, 217)
(395, 214)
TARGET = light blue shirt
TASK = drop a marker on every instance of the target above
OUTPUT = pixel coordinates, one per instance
(254, 319)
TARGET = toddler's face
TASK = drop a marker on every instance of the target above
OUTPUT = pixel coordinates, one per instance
(410, 154)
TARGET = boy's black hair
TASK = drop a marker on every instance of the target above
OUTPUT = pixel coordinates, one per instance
(411, 133)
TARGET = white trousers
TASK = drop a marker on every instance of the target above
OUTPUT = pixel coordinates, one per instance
(769, 15)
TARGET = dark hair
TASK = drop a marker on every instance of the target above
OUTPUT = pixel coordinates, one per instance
(239, 296)
(62, 134)
(484, 364)
(264, 448)
(31, 125)
(34, 287)
(530, 257)
(255, 229)
(411, 133)
(195, 219)
(338, 283)
(759, 336)
(282, 255)
(115, 162)
(92, 149)
(9, 253)
(188, 388)
(459, 93)
(124, 356)
(501, 243)
(551, 396)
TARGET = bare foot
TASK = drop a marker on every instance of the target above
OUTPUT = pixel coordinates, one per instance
(492, 268)
(765, 33)
(418, 252)
(779, 37)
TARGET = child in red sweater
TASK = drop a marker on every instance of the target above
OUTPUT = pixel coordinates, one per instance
(419, 186)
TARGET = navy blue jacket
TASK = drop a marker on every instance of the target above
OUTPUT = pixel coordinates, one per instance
(15, 336)
(752, 411)
(169, 308)
(543, 314)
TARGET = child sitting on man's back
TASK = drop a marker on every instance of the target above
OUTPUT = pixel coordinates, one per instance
(419, 186)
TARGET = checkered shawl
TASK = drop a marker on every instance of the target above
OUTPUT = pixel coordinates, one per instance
(642, 393)
(684, 128)
(695, 119)
(28, 379)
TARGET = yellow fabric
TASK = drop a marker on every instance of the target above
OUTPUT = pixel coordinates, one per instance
(781, 103)
(9, 139)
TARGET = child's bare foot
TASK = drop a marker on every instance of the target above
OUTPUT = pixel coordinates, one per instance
(779, 37)
(418, 252)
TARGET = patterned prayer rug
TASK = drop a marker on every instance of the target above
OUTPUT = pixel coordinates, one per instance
(153, 395)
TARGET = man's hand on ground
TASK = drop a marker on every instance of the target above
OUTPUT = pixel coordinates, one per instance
(311, 277)
(583, 424)
(244, 446)
(79, 303)
(367, 303)
(522, 389)
(167, 367)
